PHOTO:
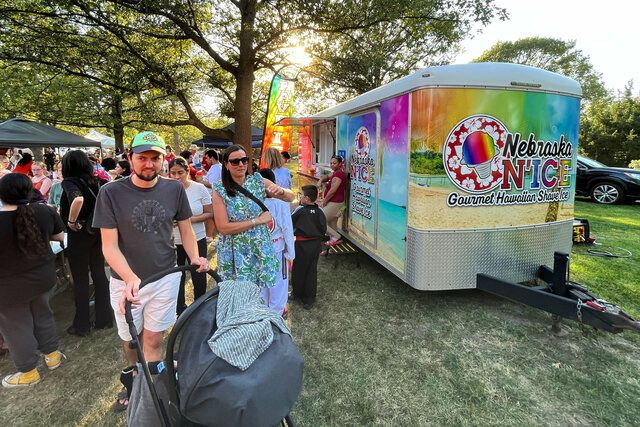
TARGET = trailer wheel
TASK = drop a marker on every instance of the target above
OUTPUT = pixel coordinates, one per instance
(607, 193)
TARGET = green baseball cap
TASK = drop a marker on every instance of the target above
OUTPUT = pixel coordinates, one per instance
(148, 141)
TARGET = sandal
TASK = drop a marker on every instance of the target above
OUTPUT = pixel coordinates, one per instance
(123, 397)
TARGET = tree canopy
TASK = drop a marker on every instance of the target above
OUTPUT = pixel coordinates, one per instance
(162, 58)
(610, 130)
(550, 54)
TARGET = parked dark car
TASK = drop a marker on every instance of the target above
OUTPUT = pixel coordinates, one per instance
(605, 184)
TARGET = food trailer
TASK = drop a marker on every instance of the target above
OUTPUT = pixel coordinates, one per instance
(454, 171)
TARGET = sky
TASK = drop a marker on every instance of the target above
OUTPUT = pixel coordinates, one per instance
(608, 32)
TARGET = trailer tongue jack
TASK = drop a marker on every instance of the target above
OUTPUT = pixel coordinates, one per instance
(562, 298)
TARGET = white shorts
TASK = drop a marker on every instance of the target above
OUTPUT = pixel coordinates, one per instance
(157, 309)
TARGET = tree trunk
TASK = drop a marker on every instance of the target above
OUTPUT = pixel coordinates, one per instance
(118, 134)
(176, 141)
(118, 127)
(244, 78)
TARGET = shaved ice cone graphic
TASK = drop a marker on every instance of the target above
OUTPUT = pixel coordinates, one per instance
(478, 151)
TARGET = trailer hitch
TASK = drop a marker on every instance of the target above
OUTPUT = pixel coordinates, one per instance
(562, 297)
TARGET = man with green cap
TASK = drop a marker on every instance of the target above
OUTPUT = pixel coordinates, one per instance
(136, 216)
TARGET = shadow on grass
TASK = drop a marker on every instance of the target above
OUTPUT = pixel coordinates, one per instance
(379, 353)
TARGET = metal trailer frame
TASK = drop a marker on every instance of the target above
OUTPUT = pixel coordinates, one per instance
(562, 298)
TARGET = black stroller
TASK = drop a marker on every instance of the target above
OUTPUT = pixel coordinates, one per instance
(206, 390)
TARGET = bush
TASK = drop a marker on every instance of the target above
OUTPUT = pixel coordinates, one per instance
(635, 164)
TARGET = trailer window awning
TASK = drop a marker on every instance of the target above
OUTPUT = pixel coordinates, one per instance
(302, 121)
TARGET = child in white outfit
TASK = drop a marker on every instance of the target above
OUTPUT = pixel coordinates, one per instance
(282, 235)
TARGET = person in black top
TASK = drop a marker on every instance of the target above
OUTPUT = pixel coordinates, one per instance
(27, 278)
(50, 159)
(310, 227)
(80, 190)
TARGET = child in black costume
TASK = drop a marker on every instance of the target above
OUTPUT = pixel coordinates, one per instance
(310, 226)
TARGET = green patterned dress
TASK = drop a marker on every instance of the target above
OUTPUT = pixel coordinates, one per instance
(248, 255)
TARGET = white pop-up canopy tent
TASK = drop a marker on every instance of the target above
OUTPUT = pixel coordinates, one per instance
(104, 140)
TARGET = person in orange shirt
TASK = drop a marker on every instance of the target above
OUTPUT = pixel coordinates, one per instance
(24, 165)
(40, 181)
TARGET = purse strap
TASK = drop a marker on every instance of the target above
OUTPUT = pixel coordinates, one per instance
(251, 196)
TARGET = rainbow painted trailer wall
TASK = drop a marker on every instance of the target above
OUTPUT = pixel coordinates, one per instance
(455, 170)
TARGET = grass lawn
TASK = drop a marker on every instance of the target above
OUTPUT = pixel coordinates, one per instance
(380, 353)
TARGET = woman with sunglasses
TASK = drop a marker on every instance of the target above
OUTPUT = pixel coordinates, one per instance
(333, 200)
(245, 250)
(200, 202)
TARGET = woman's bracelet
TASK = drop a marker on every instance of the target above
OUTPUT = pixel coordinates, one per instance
(253, 221)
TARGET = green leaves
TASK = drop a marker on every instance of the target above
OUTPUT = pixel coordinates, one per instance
(609, 130)
(553, 55)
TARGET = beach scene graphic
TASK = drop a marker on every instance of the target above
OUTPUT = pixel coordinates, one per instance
(388, 152)
(446, 127)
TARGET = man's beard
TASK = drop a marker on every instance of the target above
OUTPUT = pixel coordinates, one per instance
(151, 178)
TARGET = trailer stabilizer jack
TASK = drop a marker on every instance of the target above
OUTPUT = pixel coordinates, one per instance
(562, 297)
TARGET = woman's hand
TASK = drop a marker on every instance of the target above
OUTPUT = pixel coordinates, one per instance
(264, 218)
(274, 190)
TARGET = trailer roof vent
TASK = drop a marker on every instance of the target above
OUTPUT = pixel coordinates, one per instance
(536, 85)
(426, 75)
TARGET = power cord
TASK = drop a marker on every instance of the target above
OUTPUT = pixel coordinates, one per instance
(605, 253)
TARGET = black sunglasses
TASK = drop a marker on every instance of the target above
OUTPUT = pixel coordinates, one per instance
(236, 162)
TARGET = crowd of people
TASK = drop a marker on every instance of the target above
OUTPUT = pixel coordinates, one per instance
(144, 212)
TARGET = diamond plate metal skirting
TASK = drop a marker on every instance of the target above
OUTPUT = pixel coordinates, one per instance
(450, 259)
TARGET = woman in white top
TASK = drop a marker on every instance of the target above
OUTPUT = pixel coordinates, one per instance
(201, 208)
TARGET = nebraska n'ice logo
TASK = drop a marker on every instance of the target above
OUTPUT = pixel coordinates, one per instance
(472, 153)
(362, 142)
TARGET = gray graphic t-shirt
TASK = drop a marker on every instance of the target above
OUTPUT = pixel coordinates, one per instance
(144, 219)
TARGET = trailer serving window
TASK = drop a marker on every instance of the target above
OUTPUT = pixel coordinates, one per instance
(324, 141)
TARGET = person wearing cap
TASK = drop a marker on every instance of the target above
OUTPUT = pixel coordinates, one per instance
(195, 157)
(136, 216)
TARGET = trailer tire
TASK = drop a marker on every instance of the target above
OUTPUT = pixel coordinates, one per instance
(607, 193)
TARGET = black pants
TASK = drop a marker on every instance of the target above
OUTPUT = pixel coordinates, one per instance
(84, 253)
(199, 279)
(304, 273)
(29, 329)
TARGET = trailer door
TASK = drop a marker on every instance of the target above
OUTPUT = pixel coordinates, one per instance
(363, 130)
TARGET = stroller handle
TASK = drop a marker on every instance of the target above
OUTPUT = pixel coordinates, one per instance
(135, 339)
